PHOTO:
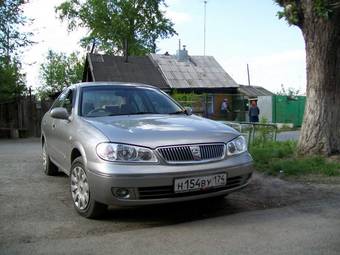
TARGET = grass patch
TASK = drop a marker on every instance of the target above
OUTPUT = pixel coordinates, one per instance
(276, 158)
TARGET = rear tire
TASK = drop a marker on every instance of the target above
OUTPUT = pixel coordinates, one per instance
(50, 169)
(83, 201)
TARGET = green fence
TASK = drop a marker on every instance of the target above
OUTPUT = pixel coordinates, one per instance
(288, 109)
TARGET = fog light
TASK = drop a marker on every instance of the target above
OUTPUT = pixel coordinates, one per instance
(122, 193)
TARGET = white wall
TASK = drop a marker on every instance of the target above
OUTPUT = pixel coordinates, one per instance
(265, 104)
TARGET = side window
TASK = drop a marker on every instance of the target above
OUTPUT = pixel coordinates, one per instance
(59, 101)
(68, 102)
(64, 100)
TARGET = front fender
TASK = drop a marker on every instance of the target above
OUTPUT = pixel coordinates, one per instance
(77, 145)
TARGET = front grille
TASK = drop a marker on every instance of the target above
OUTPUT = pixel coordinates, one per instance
(168, 191)
(188, 153)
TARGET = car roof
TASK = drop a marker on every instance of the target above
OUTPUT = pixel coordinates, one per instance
(132, 84)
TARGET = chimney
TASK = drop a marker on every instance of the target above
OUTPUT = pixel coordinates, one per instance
(182, 55)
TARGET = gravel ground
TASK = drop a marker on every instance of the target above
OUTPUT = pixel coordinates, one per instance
(288, 135)
(36, 210)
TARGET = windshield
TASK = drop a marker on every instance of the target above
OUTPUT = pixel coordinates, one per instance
(109, 100)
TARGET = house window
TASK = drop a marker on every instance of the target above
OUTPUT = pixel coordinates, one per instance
(210, 104)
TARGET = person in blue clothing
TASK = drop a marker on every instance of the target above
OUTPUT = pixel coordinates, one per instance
(254, 112)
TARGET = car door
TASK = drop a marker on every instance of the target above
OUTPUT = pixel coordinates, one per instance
(49, 126)
(63, 131)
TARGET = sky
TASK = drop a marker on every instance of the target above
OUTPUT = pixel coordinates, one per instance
(238, 32)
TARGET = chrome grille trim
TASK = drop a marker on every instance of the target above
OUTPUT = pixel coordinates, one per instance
(179, 154)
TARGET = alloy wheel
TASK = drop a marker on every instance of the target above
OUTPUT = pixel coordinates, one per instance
(80, 188)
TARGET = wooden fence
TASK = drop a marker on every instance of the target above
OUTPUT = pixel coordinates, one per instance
(22, 117)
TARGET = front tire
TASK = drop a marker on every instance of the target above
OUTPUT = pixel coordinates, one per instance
(49, 168)
(83, 202)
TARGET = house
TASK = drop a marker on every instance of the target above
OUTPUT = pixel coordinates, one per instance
(201, 75)
(181, 75)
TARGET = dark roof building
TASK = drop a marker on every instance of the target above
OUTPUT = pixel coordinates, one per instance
(181, 71)
(168, 72)
(114, 68)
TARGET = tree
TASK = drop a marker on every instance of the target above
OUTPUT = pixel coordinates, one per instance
(128, 27)
(290, 92)
(11, 19)
(59, 71)
(319, 21)
(12, 81)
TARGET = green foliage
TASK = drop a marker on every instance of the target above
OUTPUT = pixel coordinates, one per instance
(266, 152)
(11, 80)
(303, 166)
(290, 92)
(12, 39)
(59, 71)
(186, 99)
(289, 12)
(263, 134)
(322, 8)
(114, 23)
(293, 11)
(11, 19)
(278, 158)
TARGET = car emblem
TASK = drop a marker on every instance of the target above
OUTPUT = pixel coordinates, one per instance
(196, 152)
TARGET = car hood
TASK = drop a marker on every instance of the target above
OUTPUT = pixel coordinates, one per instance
(161, 130)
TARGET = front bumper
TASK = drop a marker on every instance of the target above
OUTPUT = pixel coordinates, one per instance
(153, 184)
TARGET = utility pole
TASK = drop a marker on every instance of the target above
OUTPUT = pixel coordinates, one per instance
(248, 75)
(126, 46)
(205, 21)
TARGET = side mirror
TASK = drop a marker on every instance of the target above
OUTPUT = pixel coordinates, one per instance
(59, 113)
(188, 110)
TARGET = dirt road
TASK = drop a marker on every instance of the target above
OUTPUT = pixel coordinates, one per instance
(270, 216)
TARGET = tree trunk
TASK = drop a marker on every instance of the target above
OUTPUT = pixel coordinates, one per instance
(320, 134)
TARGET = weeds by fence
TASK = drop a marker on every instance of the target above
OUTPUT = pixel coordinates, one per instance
(280, 158)
(255, 133)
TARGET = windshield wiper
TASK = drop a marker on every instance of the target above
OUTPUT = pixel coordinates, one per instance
(144, 113)
(177, 112)
(132, 113)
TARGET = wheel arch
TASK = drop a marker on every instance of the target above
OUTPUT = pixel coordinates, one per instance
(42, 139)
(78, 151)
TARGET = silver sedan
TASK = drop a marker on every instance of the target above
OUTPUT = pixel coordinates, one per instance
(132, 144)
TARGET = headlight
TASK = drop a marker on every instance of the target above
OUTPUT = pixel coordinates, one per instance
(125, 153)
(237, 146)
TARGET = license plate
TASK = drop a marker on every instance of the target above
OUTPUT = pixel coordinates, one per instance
(200, 182)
